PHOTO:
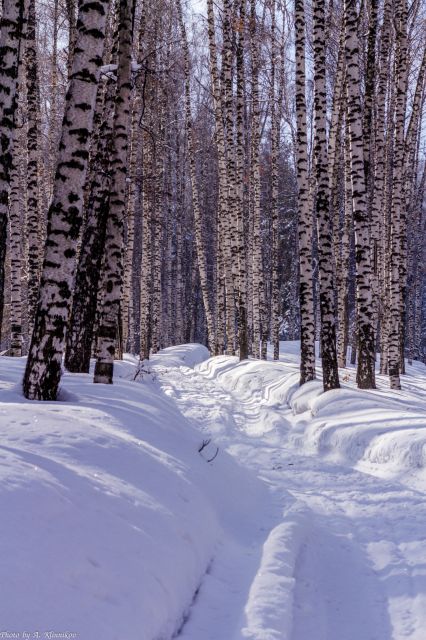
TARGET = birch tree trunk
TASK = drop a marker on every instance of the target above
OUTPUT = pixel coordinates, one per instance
(257, 267)
(114, 242)
(83, 313)
(398, 200)
(11, 35)
(276, 100)
(231, 222)
(243, 339)
(225, 279)
(157, 222)
(344, 262)
(148, 199)
(305, 213)
(325, 245)
(16, 218)
(379, 156)
(33, 173)
(366, 344)
(43, 371)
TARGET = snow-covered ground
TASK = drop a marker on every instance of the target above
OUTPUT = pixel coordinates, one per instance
(207, 499)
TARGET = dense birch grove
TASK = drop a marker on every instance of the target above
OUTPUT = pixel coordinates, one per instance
(234, 173)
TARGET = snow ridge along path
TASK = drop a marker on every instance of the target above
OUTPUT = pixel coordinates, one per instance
(336, 550)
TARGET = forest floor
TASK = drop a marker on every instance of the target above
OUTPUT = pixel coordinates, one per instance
(207, 499)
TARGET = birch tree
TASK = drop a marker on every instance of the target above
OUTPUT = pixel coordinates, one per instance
(114, 242)
(365, 329)
(33, 225)
(397, 215)
(12, 26)
(43, 370)
(305, 213)
(325, 246)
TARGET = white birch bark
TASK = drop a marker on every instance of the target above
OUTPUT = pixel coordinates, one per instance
(43, 371)
(33, 174)
(225, 279)
(11, 35)
(398, 199)
(107, 338)
(240, 200)
(257, 281)
(365, 315)
(325, 245)
(305, 227)
(16, 218)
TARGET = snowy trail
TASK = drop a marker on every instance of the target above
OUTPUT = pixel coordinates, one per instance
(332, 554)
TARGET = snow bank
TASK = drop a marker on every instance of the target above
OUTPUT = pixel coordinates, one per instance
(379, 431)
(110, 515)
(118, 507)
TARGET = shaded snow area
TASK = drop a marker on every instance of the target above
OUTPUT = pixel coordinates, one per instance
(205, 499)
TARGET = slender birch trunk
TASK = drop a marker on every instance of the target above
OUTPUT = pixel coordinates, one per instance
(325, 246)
(127, 302)
(11, 34)
(386, 229)
(377, 206)
(157, 223)
(33, 173)
(83, 313)
(114, 241)
(43, 371)
(53, 102)
(146, 262)
(398, 199)
(276, 100)
(366, 344)
(70, 6)
(344, 262)
(257, 267)
(240, 200)
(226, 284)
(16, 217)
(307, 314)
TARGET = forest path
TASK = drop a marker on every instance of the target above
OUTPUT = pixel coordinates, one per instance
(331, 554)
